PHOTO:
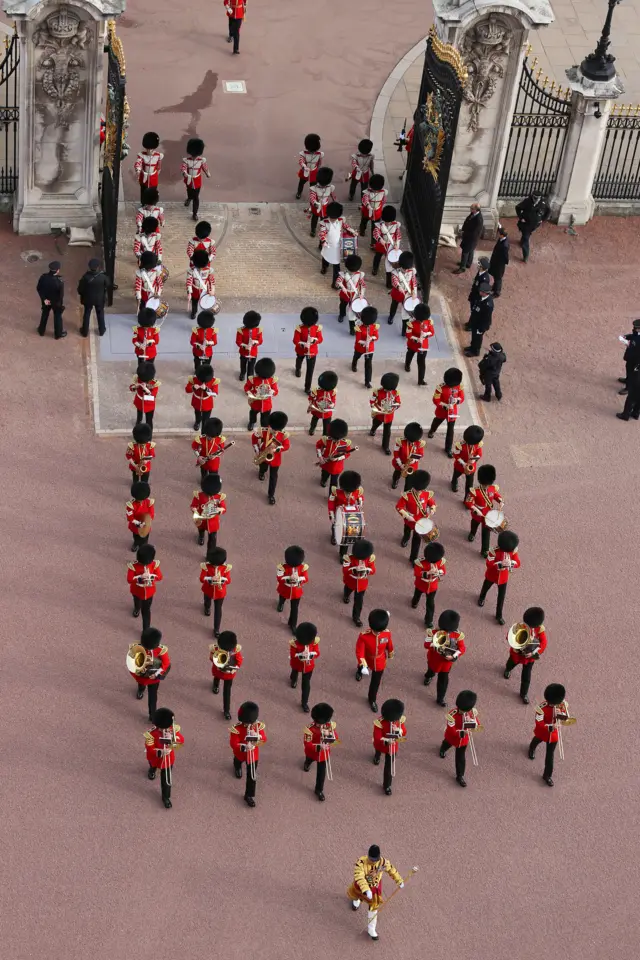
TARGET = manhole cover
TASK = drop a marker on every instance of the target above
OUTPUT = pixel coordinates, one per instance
(235, 86)
(31, 256)
(255, 211)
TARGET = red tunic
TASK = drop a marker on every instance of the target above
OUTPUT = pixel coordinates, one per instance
(148, 166)
(442, 663)
(536, 634)
(332, 454)
(357, 583)
(374, 649)
(362, 166)
(406, 451)
(248, 341)
(236, 660)
(447, 395)
(158, 746)
(136, 510)
(366, 336)
(217, 501)
(383, 741)
(303, 659)
(381, 398)
(253, 385)
(208, 450)
(372, 203)
(300, 573)
(140, 457)
(192, 170)
(148, 284)
(322, 403)
(144, 394)
(138, 570)
(205, 244)
(235, 9)
(387, 236)
(427, 576)
(151, 242)
(145, 342)
(158, 653)
(320, 198)
(306, 340)
(419, 504)
(153, 211)
(203, 341)
(458, 726)
(546, 728)
(308, 164)
(404, 283)
(480, 500)
(238, 740)
(493, 572)
(209, 572)
(202, 393)
(318, 740)
(351, 285)
(280, 443)
(348, 501)
(464, 454)
(200, 281)
(418, 335)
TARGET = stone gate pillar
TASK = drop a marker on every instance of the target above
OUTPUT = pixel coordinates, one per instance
(491, 36)
(61, 97)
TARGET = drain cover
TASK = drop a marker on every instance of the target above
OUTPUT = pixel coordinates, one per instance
(255, 211)
(31, 256)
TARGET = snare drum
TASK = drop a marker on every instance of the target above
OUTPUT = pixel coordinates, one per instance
(164, 274)
(355, 308)
(349, 246)
(495, 520)
(161, 307)
(208, 302)
(427, 529)
(391, 260)
(409, 306)
(349, 526)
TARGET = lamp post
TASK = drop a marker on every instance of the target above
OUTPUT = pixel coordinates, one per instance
(599, 65)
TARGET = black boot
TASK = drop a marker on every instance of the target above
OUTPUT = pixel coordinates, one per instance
(140, 692)
(215, 687)
(307, 765)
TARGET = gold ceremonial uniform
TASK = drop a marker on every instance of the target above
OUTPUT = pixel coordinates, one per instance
(368, 876)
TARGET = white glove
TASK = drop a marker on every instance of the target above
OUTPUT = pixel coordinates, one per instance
(365, 671)
(401, 885)
(369, 895)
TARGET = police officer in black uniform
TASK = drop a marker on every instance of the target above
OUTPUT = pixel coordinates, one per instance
(631, 355)
(481, 316)
(531, 211)
(51, 292)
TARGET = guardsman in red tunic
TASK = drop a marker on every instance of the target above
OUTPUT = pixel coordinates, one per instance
(373, 200)
(148, 163)
(269, 443)
(322, 402)
(146, 336)
(161, 743)
(140, 512)
(333, 450)
(141, 452)
(304, 650)
(388, 731)
(149, 279)
(207, 506)
(204, 338)
(553, 710)
(260, 388)
(321, 194)
(407, 455)
(427, 575)
(148, 240)
(246, 737)
(144, 387)
(150, 666)
(236, 11)
(203, 388)
(226, 659)
(443, 647)
(319, 737)
(404, 284)
(351, 286)
(447, 398)
(356, 570)
(527, 642)
(387, 236)
(307, 337)
(479, 501)
(309, 161)
(384, 402)
(461, 722)
(500, 563)
(202, 241)
(200, 282)
(209, 447)
(142, 577)
(367, 884)
(193, 166)
(248, 339)
(367, 331)
(418, 332)
(149, 208)
(466, 457)
(373, 648)
(215, 577)
(418, 503)
(348, 494)
(291, 577)
(362, 163)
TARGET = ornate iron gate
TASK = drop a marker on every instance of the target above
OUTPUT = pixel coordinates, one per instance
(429, 160)
(618, 176)
(9, 115)
(538, 132)
(115, 148)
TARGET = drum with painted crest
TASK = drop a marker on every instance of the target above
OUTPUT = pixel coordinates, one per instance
(349, 526)
(209, 302)
(349, 246)
(495, 520)
(161, 307)
(391, 260)
(426, 528)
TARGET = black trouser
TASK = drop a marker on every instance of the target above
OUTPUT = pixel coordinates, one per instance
(86, 317)
(485, 534)
(396, 477)
(273, 477)
(548, 759)
(250, 785)
(358, 601)
(165, 787)
(212, 539)
(525, 676)
(374, 685)
(377, 257)
(264, 417)
(234, 31)
(138, 540)
(448, 440)
(416, 540)
(497, 283)
(352, 187)
(326, 423)
(148, 417)
(442, 683)
(632, 403)
(314, 223)
(368, 365)
(386, 431)
(321, 773)
(335, 267)
(305, 681)
(226, 692)
(57, 319)
(363, 227)
(217, 612)
(294, 607)
(193, 195)
(301, 183)
(502, 590)
(430, 605)
(195, 301)
(200, 417)
(466, 257)
(308, 377)
(468, 481)
(325, 476)
(495, 383)
(421, 360)
(525, 239)
(461, 758)
(144, 606)
(393, 308)
(476, 342)
(342, 309)
(247, 366)
(387, 779)
(152, 696)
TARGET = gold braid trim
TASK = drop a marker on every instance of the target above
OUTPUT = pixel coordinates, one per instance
(448, 54)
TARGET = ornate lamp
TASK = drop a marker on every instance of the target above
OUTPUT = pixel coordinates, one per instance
(599, 65)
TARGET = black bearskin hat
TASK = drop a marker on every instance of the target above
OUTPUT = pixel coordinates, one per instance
(392, 710)
(265, 368)
(150, 196)
(142, 433)
(151, 141)
(146, 554)
(389, 381)
(406, 260)
(554, 693)
(163, 718)
(377, 181)
(486, 474)
(349, 481)
(227, 640)
(533, 616)
(413, 432)
(365, 146)
(278, 420)
(200, 258)
(213, 427)
(294, 556)
(148, 260)
(149, 225)
(453, 377)
(388, 213)
(334, 210)
(338, 429)
(321, 712)
(312, 142)
(195, 147)
(248, 712)
(353, 262)
(328, 380)
(150, 638)
(449, 620)
(206, 319)
(205, 373)
(306, 633)
(146, 372)
(147, 317)
(508, 541)
(251, 319)
(420, 480)
(473, 434)
(369, 316)
(324, 176)
(211, 483)
(421, 312)
(466, 700)
(308, 316)
(217, 556)
(433, 552)
(203, 230)
(140, 490)
(379, 620)
(362, 549)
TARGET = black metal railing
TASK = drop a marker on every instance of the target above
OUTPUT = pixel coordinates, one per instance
(113, 150)
(618, 176)
(9, 116)
(537, 135)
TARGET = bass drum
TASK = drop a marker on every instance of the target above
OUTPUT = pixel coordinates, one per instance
(349, 526)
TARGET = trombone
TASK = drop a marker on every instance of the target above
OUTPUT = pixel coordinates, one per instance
(559, 722)
(250, 743)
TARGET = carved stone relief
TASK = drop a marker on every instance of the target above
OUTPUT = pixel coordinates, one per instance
(485, 48)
